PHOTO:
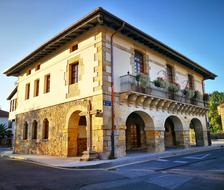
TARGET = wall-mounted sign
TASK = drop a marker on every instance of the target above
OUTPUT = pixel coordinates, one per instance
(106, 102)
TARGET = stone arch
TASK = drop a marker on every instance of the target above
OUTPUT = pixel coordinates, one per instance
(138, 123)
(196, 133)
(77, 139)
(174, 135)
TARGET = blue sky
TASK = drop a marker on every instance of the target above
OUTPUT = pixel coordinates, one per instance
(192, 27)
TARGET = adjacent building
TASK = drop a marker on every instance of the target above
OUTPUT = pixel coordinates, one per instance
(221, 113)
(4, 115)
(104, 87)
(12, 113)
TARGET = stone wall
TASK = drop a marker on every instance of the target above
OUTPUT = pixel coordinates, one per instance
(58, 117)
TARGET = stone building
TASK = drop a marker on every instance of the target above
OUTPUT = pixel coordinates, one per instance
(103, 72)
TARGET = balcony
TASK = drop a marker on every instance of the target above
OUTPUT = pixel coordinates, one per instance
(148, 95)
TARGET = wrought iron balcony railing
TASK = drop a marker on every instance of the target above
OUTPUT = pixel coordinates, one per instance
(129, 83)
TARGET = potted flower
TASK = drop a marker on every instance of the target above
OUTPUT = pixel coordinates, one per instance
(137, 77)
(173, 87)
(142, 82)
(160, 82)
(198, 95)
(205, 97)
(188, 93)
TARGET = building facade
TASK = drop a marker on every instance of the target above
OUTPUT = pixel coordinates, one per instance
(104, 86)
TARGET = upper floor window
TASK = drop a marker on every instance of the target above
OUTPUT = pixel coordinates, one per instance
(36, 87)
(47, 83)
(74, 73)
(28, 72)
(170, 73)
(45, 129)
(25, 131)
(27, 91)
(138, 63)
(12, 105)
(37, 67)
(74, 47)
(190, 81)
(34, 130)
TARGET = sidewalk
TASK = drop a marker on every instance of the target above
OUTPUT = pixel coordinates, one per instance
(74, 162)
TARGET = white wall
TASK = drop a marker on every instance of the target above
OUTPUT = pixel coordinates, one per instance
(123, 48)
(56, 66)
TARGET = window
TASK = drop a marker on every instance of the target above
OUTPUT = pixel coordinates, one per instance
(74, 48)
(27, 92)
(25, 131)
(37, 67)
(74, 71)
(28, 72)
(47, 79)
(34, 130)
(12, 105)
(36, 87)
(45, 129)
(139, 64)
(190, 81)
(82, 120)
(170, 76)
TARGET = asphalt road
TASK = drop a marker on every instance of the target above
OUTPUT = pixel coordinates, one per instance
(194, 171)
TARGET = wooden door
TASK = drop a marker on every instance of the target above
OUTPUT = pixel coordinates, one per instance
(82, 146)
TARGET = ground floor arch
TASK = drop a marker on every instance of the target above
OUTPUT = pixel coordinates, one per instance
(174, 133)
(139, 131)
(135, 132)
(77, 135)
(196, 133)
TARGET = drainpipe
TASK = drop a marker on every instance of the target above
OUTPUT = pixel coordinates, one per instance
(112, 154)
(206, 119)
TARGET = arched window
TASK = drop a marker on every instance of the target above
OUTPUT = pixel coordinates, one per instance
(25, 131)
(34, 130)
(45, 129)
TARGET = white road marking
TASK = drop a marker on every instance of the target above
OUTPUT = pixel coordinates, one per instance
(181, 162)
(162, 160)
(197, 157)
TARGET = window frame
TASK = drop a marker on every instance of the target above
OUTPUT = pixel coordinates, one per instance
(28, 72)
(139, 66)
(27, 91)
(170, 76)
(74, 47)
(74, 73)
(47, 83)
(190, 79)
(25, 131)
(34, 130)
(45, 131)
(37, 67)
(36, 88)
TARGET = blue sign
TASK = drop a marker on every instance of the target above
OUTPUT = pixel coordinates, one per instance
(106, 102)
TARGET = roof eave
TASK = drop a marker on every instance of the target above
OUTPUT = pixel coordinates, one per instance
(101, 16)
